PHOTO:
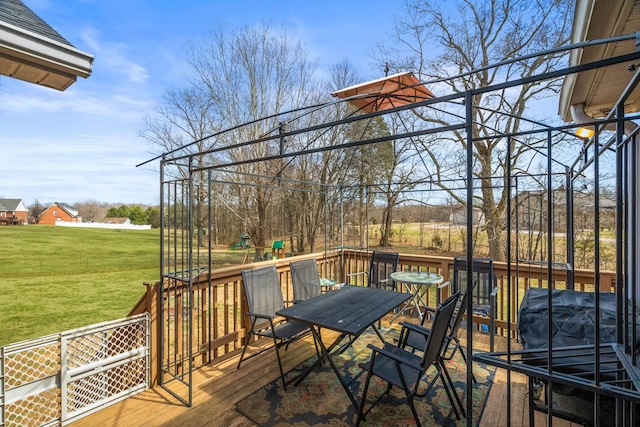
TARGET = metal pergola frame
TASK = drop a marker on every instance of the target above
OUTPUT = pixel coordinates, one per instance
(626, 226)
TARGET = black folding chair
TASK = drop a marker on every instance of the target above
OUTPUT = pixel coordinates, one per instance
(264, 299)
(484, 291)
(380, 268)
(305, 279)
(404, 369)
(417, 341)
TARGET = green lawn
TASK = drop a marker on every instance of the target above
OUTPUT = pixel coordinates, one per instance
(58, 278)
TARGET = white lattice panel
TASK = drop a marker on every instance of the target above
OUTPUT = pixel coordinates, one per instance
(55, 379)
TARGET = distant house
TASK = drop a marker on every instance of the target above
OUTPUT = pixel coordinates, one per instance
(58, 212)
(13, 211)
(532, 206)
(124, 221)
(459, 215)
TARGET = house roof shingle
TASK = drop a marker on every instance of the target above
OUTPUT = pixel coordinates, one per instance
(9, 204)
(15, 12)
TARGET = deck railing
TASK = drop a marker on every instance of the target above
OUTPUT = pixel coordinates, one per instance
(218, 305)
(58, 378)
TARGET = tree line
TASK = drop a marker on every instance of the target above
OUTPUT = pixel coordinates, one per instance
(241, 75)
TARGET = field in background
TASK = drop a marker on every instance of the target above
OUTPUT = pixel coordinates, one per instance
(57, 278)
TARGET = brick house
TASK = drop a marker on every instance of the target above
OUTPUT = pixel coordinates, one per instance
(13, 211)
(58, 212)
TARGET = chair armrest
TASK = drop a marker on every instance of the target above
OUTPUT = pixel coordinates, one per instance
(407, 328)
(416, 328)
(260, 316)
(444, 285)
(388, 283)
(439, 289)
(395, 357)
(349, 275)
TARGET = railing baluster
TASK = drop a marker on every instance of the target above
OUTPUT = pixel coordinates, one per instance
(227, 302)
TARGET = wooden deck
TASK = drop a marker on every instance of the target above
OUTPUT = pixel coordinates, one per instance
(218, 386)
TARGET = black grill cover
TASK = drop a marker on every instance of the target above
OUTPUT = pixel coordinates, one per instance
(573, 318)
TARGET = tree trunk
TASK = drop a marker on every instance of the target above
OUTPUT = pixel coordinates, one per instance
(495, 238)
(493, 226)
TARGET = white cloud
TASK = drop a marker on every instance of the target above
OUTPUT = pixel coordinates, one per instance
(115, 57)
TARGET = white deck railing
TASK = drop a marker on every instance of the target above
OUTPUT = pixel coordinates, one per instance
(56, 379)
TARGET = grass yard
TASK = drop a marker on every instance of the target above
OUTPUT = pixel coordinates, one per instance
(58, 278)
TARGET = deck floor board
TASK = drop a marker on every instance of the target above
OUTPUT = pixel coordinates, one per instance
(218, 386)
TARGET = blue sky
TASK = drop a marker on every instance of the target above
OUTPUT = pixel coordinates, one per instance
(82, 144)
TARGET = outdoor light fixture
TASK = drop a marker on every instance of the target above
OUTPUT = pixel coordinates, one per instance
(585, 133)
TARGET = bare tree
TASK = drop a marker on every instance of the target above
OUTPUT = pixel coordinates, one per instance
(35, 210)
(249, 74)
(308, 206)
(90, 210)
(181, 124)
(400, 173)
(469, 35)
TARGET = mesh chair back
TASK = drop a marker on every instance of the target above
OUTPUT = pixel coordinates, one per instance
(417, 341)
(305, 279)
(439, 328)
(457, 319)
(483, 279)
(262, 288)
(381, 266)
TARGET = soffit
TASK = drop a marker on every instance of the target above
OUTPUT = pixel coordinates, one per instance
(599, 89)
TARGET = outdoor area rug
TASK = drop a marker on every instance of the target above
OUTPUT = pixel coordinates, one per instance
(321, 400)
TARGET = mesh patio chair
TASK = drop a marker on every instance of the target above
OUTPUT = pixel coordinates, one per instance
(264, 299)
(417, 341)
(484, 291)
(305, 279)
(404, 369)
(381, 266)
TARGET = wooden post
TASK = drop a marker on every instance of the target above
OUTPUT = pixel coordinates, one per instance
(153, 308)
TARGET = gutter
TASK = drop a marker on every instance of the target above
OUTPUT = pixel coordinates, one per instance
(579, 116)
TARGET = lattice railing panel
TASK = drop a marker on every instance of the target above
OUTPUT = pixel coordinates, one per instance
(85, 349)
(126, 376)
(34, 410)
(32, 364)
(88, 368)
(86, 391)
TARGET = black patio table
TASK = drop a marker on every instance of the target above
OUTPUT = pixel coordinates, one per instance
(349, 311)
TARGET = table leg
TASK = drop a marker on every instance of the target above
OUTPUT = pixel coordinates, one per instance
(326, 354)
(321, 357)
(413, 290)
(416, 300)
(419, 302)
(377, 331)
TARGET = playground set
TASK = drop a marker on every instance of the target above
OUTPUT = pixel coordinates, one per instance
(277, 248)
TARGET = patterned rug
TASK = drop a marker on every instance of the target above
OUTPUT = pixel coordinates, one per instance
(321, 400)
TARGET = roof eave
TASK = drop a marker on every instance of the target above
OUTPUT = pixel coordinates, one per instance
(594, 20)
(581, 21)
(28, 53)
